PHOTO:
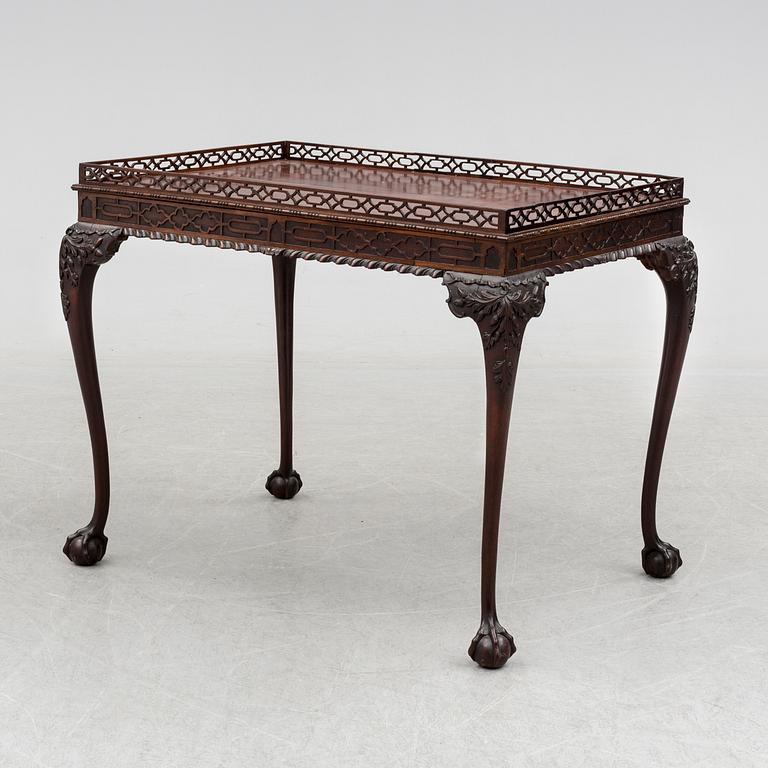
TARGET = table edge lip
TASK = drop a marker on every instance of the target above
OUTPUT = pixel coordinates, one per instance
(549, 230)
(384, 221)
(545, 230)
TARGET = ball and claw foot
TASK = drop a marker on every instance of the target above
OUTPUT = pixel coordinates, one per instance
(492, 645)
(85, 547)
(661, 560)
(284, 486)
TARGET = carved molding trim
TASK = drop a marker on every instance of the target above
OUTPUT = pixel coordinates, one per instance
(576, 243)
(387, 266)
(675, 261)
(501, 307)
(478, 255)
(350, 261)
(81, 245)
(634, 251)
(461, 253)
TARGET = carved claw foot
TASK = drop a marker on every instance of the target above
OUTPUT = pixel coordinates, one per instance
(492, 645)
(284, 486)
(661, 560)
(85, 547)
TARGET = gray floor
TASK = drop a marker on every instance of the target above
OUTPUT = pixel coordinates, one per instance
(226, 628)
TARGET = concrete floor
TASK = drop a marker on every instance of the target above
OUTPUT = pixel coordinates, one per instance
(226, 628)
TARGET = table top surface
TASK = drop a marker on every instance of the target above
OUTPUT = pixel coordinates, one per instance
(415, 189)
(448, 189)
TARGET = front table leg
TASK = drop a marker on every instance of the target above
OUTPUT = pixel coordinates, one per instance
(84, 248)
(501, 307)
(676, 264)
(284, 482)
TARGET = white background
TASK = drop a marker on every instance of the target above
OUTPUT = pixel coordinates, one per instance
(676, 88)
(225, 628)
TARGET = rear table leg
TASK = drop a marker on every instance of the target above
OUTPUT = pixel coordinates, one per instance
(284, 482)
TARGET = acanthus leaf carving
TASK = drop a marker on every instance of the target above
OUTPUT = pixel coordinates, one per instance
(676, 261)
(501, 307)
(81, 245)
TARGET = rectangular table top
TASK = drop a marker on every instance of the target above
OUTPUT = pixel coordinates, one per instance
(338, 199)
(447, 189)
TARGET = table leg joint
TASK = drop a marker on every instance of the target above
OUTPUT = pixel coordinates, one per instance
(83, 245)
(501, 307)
(675, 261)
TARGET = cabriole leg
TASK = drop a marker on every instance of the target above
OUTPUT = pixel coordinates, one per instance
(284, 482)
(675, 263)
(83, 249)
(501, 307)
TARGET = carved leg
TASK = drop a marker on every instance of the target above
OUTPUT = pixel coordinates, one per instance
(284, 482)
(501, 308)
(83, 248)
(675, 263)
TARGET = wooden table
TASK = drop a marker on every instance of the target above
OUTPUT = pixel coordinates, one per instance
(493, 230)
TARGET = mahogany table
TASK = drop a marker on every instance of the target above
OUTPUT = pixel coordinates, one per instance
(493, 230)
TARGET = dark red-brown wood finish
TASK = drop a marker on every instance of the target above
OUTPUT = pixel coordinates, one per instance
(284, 482)
(494, 230)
